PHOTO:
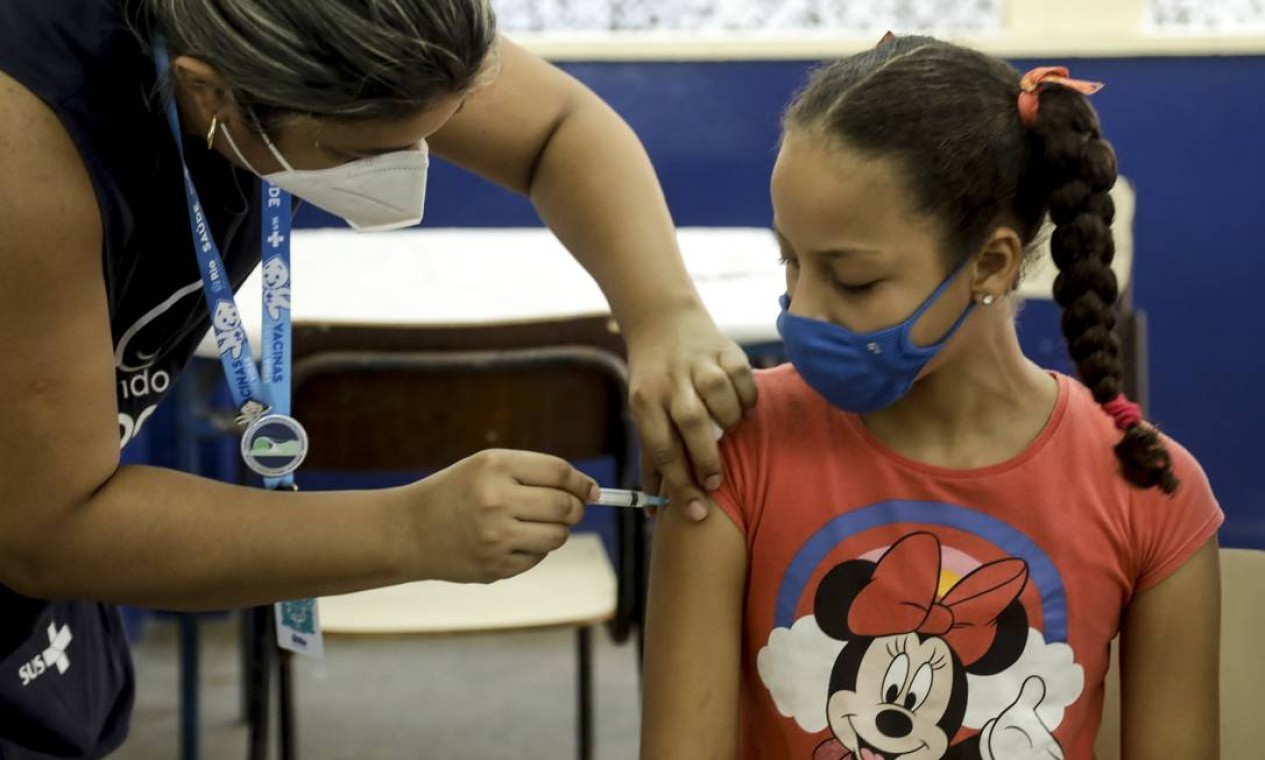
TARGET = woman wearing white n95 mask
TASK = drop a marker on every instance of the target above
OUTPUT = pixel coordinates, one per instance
(386, 192)
(101, 304)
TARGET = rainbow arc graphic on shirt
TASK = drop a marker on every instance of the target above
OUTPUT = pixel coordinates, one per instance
(954, 563)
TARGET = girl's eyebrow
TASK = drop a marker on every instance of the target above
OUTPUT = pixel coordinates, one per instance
(829, 253)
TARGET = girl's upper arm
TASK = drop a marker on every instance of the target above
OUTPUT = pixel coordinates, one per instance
(694, 638)
(59, 431)
(1170, 653)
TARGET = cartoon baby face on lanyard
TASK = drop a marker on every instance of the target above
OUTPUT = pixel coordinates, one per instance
(276, 280)
(229, 336)
(899, 688)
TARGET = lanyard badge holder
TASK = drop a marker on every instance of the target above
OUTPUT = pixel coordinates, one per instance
(274, 444)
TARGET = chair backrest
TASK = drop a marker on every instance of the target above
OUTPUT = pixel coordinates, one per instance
(597, 331)
(1242, 662)
(410, 411)
(394, 410)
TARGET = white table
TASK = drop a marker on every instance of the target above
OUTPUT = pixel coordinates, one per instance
(469, 277)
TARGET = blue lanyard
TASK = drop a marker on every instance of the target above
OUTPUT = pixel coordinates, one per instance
(276, 334)
(252, 395)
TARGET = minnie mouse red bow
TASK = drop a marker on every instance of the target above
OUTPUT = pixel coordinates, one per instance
(901, 598)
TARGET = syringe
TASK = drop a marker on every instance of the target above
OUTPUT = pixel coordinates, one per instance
(618, 497)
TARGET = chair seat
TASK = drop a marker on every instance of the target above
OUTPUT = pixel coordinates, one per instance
(574, 586)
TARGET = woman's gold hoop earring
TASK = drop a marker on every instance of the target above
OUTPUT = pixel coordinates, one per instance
(210, 136)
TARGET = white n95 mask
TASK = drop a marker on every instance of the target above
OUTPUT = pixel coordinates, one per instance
(376, 194)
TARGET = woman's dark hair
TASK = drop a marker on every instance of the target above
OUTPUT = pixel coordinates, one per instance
(949, 117)
(341, 59)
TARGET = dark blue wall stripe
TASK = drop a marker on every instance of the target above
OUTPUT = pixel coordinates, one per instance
(1188, 132)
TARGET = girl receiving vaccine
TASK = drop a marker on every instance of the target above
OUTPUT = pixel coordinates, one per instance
(925, 543)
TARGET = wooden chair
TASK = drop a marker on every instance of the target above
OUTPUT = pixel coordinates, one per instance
(1242, 662)
(383, 411)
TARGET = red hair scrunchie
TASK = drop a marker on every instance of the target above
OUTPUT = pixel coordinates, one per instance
(1125, 412)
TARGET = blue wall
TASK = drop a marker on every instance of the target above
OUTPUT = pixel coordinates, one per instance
(1188, 131)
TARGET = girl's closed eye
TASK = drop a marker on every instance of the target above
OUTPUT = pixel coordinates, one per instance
(856, 290)
(847, 289)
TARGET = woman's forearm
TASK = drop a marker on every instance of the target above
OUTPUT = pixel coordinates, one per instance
(595, 187)
(160, 538)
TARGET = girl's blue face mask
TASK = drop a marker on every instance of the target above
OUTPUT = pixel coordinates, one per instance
(861, 372)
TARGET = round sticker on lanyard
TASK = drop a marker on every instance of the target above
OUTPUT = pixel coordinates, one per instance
(274, 445)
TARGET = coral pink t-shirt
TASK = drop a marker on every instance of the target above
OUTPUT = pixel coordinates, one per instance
(900, 610)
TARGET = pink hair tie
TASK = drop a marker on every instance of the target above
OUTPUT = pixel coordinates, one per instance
(1030, 89)
(1123, 411)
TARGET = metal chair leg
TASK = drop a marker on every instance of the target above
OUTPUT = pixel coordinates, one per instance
(584, 683)
(189, 728)
(260, 686)
(285, 680)
(246, 652)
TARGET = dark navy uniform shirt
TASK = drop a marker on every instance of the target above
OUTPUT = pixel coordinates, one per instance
(65, 674)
